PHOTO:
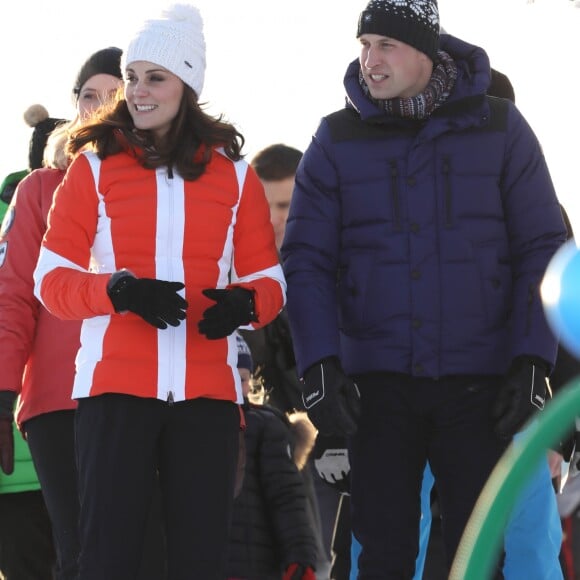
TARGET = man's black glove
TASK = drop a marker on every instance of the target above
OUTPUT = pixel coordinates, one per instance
(331, 398)
(7, 399)
(234, 308)
(331, 461)
(155, 301)
(523, 391)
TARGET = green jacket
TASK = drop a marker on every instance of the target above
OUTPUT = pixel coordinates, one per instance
(7, 188)
(9, 184)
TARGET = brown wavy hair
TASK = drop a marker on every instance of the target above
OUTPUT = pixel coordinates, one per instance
(187, 147)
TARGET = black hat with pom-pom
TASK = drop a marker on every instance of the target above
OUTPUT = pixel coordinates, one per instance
(36, 116)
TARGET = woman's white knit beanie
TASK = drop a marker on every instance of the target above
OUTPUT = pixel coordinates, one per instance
(174, 41)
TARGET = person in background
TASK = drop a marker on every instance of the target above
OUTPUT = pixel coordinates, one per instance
(26, 543)
(159, 240)
(534, 520)
(419, 230)
(37, 117)
(38, 350)
(276, 167)
(566, 370)
(272, 348)
(271, 536)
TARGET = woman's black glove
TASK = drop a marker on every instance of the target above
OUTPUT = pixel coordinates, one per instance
(234, 308)
(7, 399)
(155, 301)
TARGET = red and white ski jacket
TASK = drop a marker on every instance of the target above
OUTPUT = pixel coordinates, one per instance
(213, 232)
(37, 350)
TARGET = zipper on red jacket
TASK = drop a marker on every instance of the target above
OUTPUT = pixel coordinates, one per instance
(169, 178)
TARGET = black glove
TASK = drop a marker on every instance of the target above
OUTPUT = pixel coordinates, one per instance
(155, 301)
(523, 392)
(331, 398)
(234, 308)
(7, 399)
(574, 468)
(331, 461)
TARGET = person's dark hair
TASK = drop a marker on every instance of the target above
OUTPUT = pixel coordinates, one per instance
(501, 86)
(276, 162)
(105, 61)
(187, 147)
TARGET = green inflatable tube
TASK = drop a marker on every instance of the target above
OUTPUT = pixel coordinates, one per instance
(483, 535)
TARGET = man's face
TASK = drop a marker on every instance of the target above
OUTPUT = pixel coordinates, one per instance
(279, 195)
(392, 68)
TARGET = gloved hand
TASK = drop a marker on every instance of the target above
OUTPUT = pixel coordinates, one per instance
(299, 572)
(155, 301)
(522, 392)
(7, 399)
(331, 461)
(234, 308)
(331, 398)
(574, 468)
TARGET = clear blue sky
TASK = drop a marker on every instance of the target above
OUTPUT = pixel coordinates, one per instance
(275, 67)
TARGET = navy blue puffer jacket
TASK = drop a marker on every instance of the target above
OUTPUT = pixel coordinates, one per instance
(419, 247)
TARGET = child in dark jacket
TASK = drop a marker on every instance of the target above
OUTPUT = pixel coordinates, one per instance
(271, 537)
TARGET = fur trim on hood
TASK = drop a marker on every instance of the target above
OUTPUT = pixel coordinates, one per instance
(304, 433)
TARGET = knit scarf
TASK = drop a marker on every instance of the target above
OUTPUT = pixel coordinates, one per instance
(434, 95)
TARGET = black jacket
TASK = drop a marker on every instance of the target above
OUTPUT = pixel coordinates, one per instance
(271, 528)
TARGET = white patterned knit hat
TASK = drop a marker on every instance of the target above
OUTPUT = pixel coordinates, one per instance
(414, 22)
(174, 41)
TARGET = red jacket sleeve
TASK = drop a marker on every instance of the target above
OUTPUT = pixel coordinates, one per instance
(21, 237)
(62, 278)
(256, 263)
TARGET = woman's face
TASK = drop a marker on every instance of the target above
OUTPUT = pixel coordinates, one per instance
(153, 95)
(96, 91)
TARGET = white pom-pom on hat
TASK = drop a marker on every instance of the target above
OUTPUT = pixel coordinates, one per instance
(35, 114)
(174, 41)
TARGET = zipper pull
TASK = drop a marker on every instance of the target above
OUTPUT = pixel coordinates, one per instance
(170, 398)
